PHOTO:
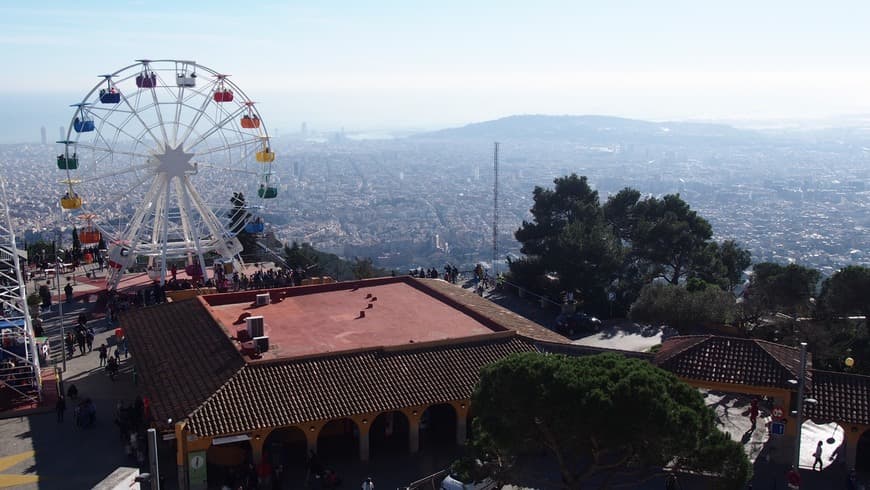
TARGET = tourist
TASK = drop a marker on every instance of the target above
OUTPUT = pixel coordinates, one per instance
(60, 407)
(818, 456)
(68, 290)
(753, 412)
(104, 354)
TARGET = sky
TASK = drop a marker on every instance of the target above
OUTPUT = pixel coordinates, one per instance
(377, 65)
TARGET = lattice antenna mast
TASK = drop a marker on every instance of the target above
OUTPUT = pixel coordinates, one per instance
(495, 210)
(25, 377)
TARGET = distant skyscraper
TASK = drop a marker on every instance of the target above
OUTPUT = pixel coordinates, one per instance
(304, 129)
(60, 134)
(42, 137)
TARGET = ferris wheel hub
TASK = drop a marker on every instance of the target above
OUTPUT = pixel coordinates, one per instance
(175, 162)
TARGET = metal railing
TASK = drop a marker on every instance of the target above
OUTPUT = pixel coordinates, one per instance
(431, 482)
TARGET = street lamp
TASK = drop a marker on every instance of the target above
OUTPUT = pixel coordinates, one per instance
(57, 267)
(799, 412)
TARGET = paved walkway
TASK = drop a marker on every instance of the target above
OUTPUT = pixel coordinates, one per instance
(39, 452)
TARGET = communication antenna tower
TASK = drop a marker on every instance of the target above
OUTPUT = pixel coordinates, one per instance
(495, 210)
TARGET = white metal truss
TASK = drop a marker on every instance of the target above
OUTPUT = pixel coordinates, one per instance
(19, 373)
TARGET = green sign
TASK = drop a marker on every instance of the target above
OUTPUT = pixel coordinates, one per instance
(198, 470)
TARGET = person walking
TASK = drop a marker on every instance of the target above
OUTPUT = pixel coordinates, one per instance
(68, 290)
(753, 412)
(60, 408)
(818, 456)
(104, 354)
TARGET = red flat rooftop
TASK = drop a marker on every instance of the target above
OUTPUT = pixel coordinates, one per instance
(328, 318)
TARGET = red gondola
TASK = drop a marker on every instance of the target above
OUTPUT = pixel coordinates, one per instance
(223, 95)
(249, 122)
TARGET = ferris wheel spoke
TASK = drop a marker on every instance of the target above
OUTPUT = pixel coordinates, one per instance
(159, 113)
(107, 175)
(113, 152)
(135, 114)
(231, 116)
(205, 103)
(229, 146)
(229, 170)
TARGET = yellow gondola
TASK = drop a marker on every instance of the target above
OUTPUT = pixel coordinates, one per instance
(71, 202)
(266, 156)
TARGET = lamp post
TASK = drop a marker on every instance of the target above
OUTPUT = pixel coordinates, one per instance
(57, 266)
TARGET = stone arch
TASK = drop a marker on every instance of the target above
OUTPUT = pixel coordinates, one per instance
(389, 434)
(438, 426)
(225, 462)
(338, 439)
(286, 446)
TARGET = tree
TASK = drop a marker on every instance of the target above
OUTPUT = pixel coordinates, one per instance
(601, 418)
(786, 289)
(736, 260)
(669, 235)
(570, 240)
(684, 308)
(239, 216)
(847, 292)
(363, 268)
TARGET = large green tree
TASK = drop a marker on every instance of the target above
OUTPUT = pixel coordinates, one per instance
(669, 236)
(847, 292)
(570, 240)
(684, 308)
(602, 419)
(786, 289)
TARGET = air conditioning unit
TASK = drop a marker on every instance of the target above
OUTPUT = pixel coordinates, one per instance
(262, 343)
(263, 299)
(255, 326)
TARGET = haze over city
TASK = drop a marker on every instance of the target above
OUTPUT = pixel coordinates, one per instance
(395, 66)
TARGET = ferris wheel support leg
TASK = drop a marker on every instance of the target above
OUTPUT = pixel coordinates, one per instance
(165, 235)
(131, 233)
(185, 190)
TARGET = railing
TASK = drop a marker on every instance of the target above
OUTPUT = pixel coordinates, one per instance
(431, 482)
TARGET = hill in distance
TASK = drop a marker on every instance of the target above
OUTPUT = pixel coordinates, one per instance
(592, 129)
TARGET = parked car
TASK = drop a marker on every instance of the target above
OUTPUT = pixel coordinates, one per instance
(572, 324)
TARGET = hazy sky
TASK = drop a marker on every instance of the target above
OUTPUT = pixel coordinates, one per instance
(366, 65)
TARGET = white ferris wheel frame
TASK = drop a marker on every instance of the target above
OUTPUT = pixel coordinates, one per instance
(161, 137)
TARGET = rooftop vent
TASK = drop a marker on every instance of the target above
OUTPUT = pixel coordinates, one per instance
(262, 299)
(262, 343)
(255, 326)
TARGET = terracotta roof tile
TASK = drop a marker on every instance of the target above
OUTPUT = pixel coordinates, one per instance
(293, 391)
(181, 356)
(468, 300)
(731, 360)
(842, 397)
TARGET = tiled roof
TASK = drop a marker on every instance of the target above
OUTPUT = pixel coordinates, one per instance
(842, 397)
(181, 356)
(474, 304)
(278, 393)
(731, 360)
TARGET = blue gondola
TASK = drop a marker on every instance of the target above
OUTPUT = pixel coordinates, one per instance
(83, 125)
(110, 96)
(255, 227)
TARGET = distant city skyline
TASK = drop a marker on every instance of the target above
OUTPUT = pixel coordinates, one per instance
(432, 65)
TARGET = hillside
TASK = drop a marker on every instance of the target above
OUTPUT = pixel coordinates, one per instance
(592, 130)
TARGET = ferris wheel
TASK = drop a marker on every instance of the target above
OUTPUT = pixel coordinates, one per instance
(164, 158)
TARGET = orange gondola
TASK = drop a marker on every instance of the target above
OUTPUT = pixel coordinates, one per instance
(250, 122)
